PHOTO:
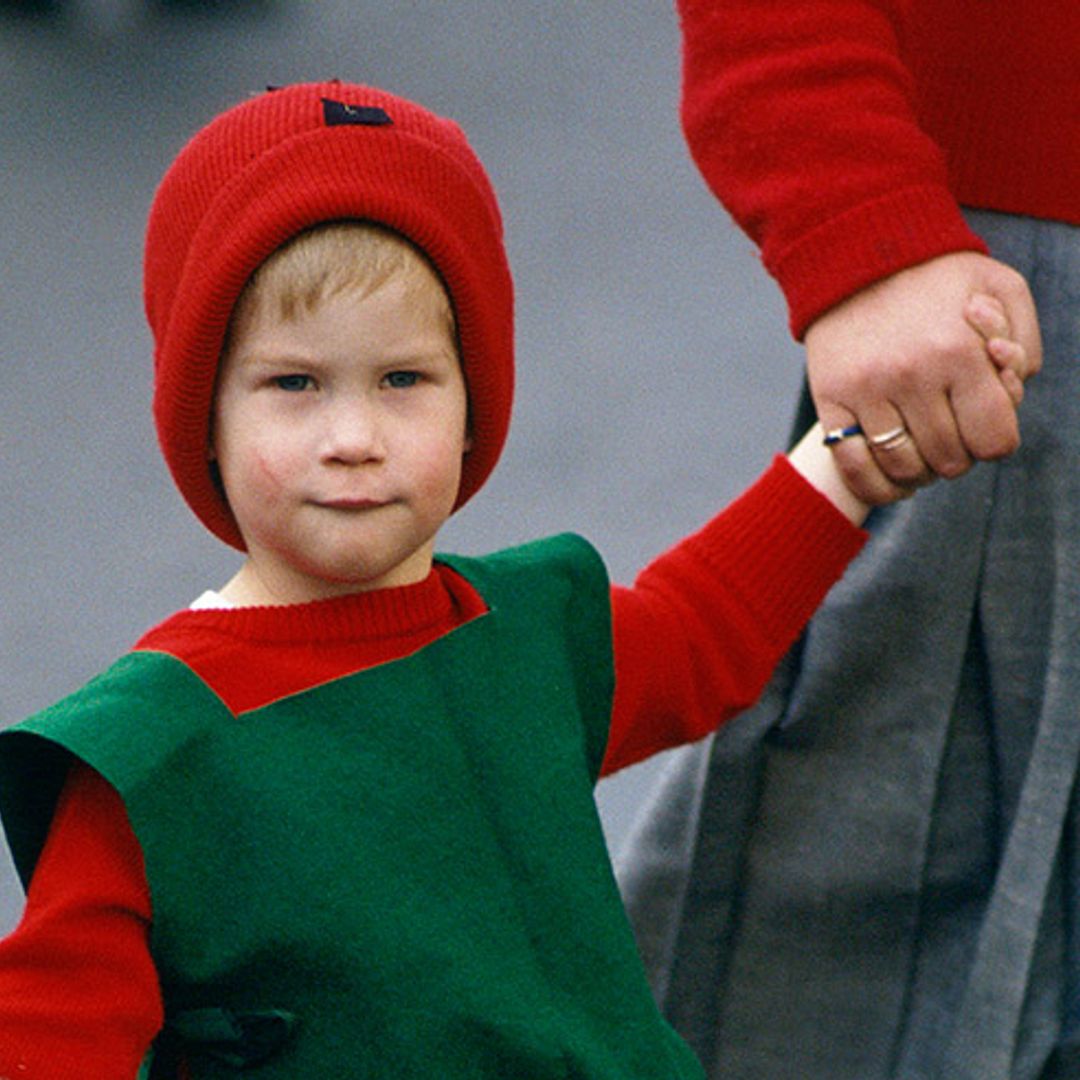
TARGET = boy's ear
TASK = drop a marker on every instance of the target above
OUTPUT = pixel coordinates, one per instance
(466, 445)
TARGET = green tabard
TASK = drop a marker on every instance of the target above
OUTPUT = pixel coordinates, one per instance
(407, 860)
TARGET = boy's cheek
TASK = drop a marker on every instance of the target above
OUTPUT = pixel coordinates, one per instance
(269, 471)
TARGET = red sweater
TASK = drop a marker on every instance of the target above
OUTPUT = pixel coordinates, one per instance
(695, 640)
(842, 134)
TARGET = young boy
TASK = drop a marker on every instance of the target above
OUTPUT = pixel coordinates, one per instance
(336, 819)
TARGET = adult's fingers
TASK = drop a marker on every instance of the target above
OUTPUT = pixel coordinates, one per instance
(901, 352)
(985, 415)
(894, 446)
(862, 465)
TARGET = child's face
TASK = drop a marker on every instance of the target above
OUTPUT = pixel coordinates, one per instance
(339, 435)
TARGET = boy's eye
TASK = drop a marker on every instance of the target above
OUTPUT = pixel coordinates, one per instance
(402, 380)
(292, 382)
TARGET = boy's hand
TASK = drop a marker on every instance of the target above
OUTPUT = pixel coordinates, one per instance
(986, 316)
(814, 461)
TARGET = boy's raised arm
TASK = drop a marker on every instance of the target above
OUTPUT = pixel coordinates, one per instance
(814, 461)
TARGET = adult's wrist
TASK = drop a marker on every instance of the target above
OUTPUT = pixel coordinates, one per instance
(865, 244)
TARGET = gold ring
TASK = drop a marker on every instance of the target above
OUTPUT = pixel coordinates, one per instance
(889, 440)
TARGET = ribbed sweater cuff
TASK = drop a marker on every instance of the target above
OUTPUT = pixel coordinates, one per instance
(790, 543)
(864, 245)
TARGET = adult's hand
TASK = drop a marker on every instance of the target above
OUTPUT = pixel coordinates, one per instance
(900, 354)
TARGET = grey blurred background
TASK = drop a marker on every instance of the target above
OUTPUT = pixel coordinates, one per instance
(656, 377)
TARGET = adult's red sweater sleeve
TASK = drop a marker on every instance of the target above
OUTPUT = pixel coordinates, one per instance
(79, 996)
(804, 121)
(699, 634)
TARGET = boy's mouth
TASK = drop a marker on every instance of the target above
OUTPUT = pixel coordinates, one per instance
(351, 504)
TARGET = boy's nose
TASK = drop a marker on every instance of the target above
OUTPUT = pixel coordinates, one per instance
(352, 434)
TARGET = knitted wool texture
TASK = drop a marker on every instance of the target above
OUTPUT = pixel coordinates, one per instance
(284, 161)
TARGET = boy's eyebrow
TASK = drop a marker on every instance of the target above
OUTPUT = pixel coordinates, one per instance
(269, 357)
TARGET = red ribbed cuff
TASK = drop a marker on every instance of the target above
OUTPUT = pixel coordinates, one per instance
(864, 245)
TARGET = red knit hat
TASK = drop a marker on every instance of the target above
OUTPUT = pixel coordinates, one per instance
(282, 162)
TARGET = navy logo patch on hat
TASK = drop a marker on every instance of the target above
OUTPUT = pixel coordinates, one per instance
(337, 112)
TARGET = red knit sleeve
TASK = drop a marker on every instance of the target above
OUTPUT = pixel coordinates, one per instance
(803, 120)
(79, 994)
(701, 631)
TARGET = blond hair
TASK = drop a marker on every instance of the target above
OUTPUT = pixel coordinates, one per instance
(328, 260)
